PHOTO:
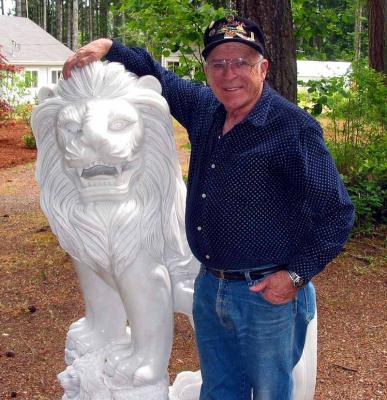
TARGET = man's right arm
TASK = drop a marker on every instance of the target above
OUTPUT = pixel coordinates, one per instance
(181, 95)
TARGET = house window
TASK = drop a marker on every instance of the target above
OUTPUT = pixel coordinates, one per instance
(172, 65)
(31, 79)
(55, 75)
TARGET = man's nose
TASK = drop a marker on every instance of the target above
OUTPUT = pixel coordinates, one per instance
(228, 72)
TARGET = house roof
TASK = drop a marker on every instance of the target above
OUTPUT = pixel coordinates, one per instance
(321, 69)
(25, 42)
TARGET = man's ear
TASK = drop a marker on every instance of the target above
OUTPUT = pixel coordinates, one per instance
(264, 65)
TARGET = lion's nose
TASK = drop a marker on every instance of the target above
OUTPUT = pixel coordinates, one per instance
(94, 137)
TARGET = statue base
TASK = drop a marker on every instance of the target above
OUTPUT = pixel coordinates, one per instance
(85, 379)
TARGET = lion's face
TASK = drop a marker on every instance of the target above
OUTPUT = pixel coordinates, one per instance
(100, 141)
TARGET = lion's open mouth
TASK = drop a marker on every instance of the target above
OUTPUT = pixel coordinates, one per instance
(98, 170)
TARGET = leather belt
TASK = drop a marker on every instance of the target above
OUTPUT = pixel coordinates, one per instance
(241, 275)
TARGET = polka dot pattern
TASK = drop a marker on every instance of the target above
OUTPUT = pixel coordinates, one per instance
(266, 192)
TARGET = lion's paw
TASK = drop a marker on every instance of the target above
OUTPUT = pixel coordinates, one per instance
(146, 375)
(80, 342)
(77, 325)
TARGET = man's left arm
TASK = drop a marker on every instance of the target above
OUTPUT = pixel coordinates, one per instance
(324, 202)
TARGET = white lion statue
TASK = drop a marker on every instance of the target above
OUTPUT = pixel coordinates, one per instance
(112, 191)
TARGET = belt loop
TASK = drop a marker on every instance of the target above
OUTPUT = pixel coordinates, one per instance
(248, 278)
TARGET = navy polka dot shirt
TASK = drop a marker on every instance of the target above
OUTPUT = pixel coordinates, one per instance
(267, 192)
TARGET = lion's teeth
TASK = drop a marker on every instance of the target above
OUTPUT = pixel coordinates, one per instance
(99, 170)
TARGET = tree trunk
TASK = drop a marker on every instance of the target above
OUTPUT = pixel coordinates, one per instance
(91, 14)
(44, 15)
(58, 19)
(104, 17)
(2, 7)
(358, 28)
(69, 22)
(75, 26)
(377, 35)
(24, 8)
(18, 8)
(275, 19)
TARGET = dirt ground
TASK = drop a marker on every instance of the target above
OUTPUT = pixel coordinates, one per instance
(39, 298)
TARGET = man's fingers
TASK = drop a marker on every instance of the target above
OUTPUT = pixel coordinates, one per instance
(87, 54)
(259, 286)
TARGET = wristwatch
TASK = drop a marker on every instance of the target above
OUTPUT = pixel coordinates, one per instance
(297, 280)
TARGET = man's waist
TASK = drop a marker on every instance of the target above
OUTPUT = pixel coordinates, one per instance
(245, 274)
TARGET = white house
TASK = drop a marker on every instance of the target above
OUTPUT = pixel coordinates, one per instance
(26, 44)
(315, 70)
(306, 70)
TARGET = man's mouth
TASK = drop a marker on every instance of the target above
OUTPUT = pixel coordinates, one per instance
(233, 89)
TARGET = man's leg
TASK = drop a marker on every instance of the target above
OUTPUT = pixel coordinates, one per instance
(272, 338)
(222, 370)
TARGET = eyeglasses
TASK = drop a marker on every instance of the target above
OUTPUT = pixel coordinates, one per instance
(237, 65)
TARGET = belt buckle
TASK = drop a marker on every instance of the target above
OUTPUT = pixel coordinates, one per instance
(221, 273)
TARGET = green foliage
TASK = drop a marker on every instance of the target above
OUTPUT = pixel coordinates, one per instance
(356, 108)
(29, 140)
(325, 29)
(170, 26)
(23, 113)
(12, 86)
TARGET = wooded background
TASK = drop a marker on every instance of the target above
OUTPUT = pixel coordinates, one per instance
(336, 30)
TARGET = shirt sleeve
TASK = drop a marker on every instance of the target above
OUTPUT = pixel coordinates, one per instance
(324, 200)
(182, 95)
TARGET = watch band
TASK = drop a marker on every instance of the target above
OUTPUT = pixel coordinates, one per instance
(297, 280)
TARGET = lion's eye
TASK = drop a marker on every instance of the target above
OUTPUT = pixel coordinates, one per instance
(73, 127)
(119, 124)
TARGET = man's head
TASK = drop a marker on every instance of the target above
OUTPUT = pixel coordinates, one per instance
(235, 66)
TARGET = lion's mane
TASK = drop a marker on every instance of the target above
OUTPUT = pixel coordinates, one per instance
(110, 234)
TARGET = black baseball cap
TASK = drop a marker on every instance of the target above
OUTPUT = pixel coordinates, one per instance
(233, 29)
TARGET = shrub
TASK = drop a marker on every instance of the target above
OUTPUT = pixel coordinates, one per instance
(29, 141)
(356, 108)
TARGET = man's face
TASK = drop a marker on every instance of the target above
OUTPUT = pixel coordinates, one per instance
(238, 89)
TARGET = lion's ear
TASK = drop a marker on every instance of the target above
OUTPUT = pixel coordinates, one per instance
(45, 93)
(149, 82)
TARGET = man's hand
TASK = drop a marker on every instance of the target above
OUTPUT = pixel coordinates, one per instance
(277, 288)
(93, 51)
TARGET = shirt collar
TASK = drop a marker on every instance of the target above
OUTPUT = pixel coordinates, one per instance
(258, 114)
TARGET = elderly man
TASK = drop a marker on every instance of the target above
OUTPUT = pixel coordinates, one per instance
(266, 209)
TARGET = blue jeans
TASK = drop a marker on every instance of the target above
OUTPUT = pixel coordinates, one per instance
(247, 346)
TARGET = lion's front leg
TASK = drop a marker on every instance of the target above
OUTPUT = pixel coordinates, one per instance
(105, 318)
(145, 289)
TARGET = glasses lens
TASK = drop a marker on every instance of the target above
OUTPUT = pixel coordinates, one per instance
(237, 65)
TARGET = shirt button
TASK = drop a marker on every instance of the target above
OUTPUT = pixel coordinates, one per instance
(204, 195)
(207, 257)
(199, 228)
(212, 166)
